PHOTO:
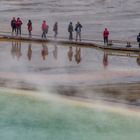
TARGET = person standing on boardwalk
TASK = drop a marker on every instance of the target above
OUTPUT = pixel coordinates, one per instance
(70, 30)
(105, 36)
(138, 39)
(18, 26)
(55, 29)
(13, 25)
(78, 28)
(29, 25)
(44, 29)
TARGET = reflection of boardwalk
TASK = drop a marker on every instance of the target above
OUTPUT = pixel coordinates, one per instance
(78, 55)
(29, 53)
(16, 50)
(44, 51)
(70, 53)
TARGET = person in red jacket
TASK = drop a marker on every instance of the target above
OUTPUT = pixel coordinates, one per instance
(18, 26)
(105, 36)
(29, 25)
(45, 28)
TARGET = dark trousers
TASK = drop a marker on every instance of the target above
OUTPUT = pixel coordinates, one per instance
(106, 40)
(30, 33)
(78, 34)
(70, 36)
(13, 30)
(18, 30)
(44, 34)
(55, 34)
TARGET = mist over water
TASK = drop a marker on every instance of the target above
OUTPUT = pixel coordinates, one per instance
(40, 66)
(33, 117)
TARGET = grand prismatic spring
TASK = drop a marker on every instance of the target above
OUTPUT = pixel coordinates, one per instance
(53, 91)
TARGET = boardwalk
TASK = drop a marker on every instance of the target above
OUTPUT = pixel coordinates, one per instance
(98, 44)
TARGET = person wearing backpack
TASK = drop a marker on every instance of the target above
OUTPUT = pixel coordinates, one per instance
(78, 28)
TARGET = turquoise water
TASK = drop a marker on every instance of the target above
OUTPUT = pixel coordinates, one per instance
(31, 118)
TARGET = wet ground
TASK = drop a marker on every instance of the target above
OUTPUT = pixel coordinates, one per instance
(83, 73)
(71, 70)
(54, 60)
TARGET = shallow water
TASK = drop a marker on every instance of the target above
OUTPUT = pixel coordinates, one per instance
(24, 64)
(48, 63)
(33, 117)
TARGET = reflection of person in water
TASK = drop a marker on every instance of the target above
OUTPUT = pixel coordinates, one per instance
(44, 51)
(29, 53)
(138, 60)
(55, 52)
(78, 55)
(13, 49)
(70, 53)
(18, 50)
(105, 59)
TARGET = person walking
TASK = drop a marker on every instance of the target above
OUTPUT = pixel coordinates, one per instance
(138, 39)
(55, 29)
(44, 29)
(18, 26)
(13, 25)
(70, 30)
(78, 28)
(29, 26)
(105, 36)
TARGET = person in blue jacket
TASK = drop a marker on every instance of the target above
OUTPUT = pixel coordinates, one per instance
(78, 28)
